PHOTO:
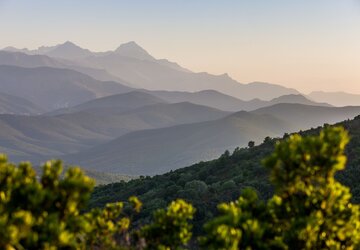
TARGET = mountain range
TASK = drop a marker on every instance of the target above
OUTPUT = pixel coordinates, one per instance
(127, 112)
(135, 65)
(165, 149)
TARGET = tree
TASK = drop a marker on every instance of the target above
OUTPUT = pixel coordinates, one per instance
(251, 144)
(46, 213)
(310, 209)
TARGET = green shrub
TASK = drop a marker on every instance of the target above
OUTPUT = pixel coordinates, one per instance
(309, 210)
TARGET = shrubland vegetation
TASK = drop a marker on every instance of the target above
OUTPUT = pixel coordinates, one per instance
(296, 202)
(206, 184)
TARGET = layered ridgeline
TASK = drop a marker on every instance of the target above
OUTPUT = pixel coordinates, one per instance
(157, 151)
(336, 98)
(21, 59)
(206, 184)
(134, 65)
(38, 138)
(52, 88)
(10, 104)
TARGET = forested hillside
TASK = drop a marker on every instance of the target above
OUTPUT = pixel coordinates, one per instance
(206, 184)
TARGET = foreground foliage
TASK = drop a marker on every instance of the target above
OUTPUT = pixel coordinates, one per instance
(206, 184)
(46, 213)
(310, 209)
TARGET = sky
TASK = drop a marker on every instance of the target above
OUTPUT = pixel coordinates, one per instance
(304, 44)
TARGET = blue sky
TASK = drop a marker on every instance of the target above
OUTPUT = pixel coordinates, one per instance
(306, 44)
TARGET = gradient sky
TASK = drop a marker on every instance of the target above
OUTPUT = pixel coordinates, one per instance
(305, 44)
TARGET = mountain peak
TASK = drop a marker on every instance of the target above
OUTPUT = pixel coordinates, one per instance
(133, 50)
(68, 43)
(68, 50)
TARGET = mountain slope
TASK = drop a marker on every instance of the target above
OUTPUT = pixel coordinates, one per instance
(136, 66)
(15, 105)
(120, 103)
(336, 98)
(159, 150)
(52, 88)
(115, 121)
(221, 101)
(206, 184)
(152, 75)
(34, 61)
(39, 137)
(304, 116)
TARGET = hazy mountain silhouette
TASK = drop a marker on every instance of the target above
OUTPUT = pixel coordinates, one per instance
(135, 65)
(33, 61)
(304, 116)
(336, 98)
(67, 50)
(52, 88)
(10, 104)
(41, 137)
(152, 75)
(133, 50)
(221, 101)
(160, 150)
(121, 102)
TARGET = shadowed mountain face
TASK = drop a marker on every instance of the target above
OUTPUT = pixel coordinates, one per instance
(221, 101)
(152, 75)
(336, 98)
(135, 65)
(160, 150)
(304, 116)
(21, 59)
(15, 105)
(39, 137)
(52, 88)
(119, 103)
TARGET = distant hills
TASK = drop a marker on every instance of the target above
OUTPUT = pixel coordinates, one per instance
(127, 112)
(161, 150)
(135, 65)
(206, 184)
(37, 138)
(15, 105)
(150, 152)
(119, 103)
(33, 61)
(336, 98)
(221, 101)
(52, 88)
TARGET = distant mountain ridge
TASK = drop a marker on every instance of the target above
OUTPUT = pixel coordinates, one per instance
(336, 98)
(135, 65)
(52, 88)
(10, 104)
(25, 60)
(215, 99)
(161, 150)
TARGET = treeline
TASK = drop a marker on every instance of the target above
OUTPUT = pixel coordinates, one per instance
(309, 208)
(206, 184)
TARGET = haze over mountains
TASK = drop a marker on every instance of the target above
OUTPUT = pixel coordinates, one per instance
(162, 150)
(125, 111)
(135, 65)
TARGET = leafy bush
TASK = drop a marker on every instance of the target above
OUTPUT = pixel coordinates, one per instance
(46, 213)
(310, 209)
